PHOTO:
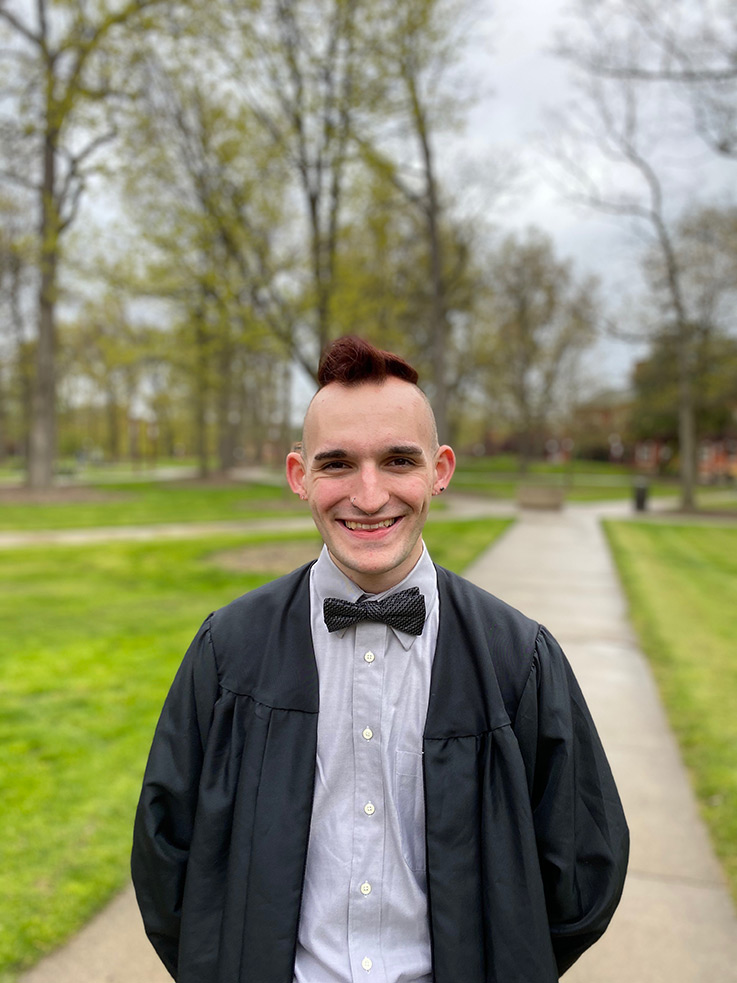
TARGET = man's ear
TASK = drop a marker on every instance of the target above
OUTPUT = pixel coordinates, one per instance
(296, 474)
(445, 465)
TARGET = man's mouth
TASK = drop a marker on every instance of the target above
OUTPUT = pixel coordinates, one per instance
(369, 526)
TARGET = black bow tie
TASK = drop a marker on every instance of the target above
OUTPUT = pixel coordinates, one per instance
(404, 610)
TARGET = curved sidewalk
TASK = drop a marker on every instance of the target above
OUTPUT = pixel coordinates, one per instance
(676, 923)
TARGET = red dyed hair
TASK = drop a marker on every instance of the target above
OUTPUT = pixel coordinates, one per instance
(350, 361)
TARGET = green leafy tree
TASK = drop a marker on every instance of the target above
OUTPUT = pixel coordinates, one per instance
(207, 197)
(333, 83)
(544, 319)
(655, 385)
(15, 348)
(382, 286)
(69, 66)
(705, 242)
(106, 355)
(419, 44)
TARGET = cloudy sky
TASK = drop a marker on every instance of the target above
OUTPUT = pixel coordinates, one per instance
(519, 83)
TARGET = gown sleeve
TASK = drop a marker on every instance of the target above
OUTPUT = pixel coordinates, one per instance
(166, 809)
(580, 828)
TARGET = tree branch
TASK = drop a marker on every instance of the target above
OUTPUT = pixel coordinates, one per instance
(74, 174)
(21, 28)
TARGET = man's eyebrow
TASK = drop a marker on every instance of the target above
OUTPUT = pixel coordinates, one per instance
(396, 450)
(330, 455)
(406, 450)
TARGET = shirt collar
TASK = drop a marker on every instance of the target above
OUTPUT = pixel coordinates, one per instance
(329, 581)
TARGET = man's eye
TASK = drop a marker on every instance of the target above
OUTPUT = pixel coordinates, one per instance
(334, 466)
(402, 462)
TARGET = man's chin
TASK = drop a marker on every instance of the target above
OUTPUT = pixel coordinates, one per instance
(375, 570)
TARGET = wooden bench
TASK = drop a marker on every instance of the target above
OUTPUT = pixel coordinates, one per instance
(540, 496)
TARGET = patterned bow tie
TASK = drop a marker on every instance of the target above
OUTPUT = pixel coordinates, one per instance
(404, 610)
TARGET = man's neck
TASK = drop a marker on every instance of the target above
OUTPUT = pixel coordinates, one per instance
(379, 583)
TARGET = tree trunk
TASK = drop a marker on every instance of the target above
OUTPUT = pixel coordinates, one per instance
(439, 321)
(42, 442)
(524, 449)
(134, 442)
(113, 425)
(438, 314)
(322, 284)
(286, 409)
(686, 429)
(686, 407)
(25, 372)
(167, 442)
(201, 392)
(226, 424)
(201, 448)
(4, 442)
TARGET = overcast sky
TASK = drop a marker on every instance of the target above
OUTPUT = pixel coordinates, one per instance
(519, 82)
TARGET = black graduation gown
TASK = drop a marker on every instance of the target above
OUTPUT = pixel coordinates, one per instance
(526, 839)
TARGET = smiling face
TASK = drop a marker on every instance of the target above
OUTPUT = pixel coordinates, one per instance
(369, 466)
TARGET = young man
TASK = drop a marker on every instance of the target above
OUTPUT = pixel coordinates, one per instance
(371, 769)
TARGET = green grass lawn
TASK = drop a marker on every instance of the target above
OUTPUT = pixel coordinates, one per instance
(93, 636)
(580, 487)
(509, 464)
(717, 499)
(150, 502)
(681, 582)
(584, 481)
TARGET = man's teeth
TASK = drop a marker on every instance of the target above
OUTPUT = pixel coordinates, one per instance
(370, 525)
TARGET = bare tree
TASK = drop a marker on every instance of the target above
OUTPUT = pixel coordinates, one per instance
(297, 68)
(612, 150)
(67, 72)
(690, 46)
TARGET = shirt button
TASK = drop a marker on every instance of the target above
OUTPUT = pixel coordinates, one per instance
(367, 734)
(369, 808)
(366, 888)
(366, 963)
(369, 657)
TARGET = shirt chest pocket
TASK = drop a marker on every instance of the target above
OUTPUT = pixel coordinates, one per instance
(409, 796)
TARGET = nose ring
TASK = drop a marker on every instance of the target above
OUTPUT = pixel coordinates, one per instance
(353, 500)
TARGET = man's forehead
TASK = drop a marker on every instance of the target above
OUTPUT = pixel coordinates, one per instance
(394, 408)
(392, 388)
(336, 399)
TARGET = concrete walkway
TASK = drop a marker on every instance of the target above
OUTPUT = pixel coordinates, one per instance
(676, 923)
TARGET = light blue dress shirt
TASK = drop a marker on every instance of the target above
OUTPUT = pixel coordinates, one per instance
(364, 908)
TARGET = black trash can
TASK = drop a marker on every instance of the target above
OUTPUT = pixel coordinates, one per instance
(641, 492)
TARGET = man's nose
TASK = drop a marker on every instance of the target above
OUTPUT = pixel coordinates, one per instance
(369, 493)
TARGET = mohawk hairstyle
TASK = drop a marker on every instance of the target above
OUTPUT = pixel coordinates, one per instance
(351, 360)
